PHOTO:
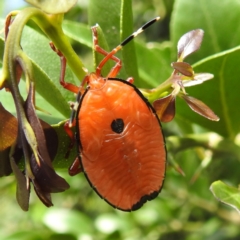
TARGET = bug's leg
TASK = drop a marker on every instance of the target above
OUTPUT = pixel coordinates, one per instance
(75, 168)
(114, 71)
(69, 86)
(68, 129)
(72, 123)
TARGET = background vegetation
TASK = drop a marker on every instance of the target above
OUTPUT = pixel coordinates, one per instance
(206, 151)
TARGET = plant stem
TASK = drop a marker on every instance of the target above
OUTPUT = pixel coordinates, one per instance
(51, 26)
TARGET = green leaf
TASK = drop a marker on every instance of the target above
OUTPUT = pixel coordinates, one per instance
(128, 52)
(46, 66)
(109, 223)
(102, 42)
(53, 6)
(108, 36)
(48, 90)
(110, 24)
(39, 51)
(116, 27)
(154, 63)
(68, 221)
(79, 32)
(24, 234)
(218, 20)
(219, 94)
(60, 160)
(226, 194)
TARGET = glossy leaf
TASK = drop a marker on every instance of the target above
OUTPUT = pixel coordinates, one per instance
(109, 36)
(79, 32)
(152, 57)
(226, 194)
(116, 28)
(128, 52)
(53, 6)
(110, 28)
(110, 25)
(47, 67)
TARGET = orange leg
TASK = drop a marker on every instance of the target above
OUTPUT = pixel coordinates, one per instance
(75, 168)
(69, 86)
(115, 70)
(68, 129)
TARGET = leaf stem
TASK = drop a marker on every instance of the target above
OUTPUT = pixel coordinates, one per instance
(160, 91)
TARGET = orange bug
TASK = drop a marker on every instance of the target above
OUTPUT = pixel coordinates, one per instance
(119, 136)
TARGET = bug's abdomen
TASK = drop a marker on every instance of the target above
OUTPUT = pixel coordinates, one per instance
(123, 152)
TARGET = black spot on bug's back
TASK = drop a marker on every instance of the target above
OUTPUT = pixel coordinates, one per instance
(117, 125)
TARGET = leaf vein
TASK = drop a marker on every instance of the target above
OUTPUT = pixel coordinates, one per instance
(209, 23)
(223, 99)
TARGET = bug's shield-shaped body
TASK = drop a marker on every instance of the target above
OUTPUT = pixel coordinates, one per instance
(121, 146)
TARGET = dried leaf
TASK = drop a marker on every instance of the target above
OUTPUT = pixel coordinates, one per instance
(51, 139)
(23, 187)
(184, 68)
(45, 197)
(201, 108)
(189, 43)
(8, 135)
(36, 125)
(5, 167)
(8, 128)
(45, 178)
(165, 108)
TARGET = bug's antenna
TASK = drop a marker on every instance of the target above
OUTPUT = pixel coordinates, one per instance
(140, 30)
(127, 40)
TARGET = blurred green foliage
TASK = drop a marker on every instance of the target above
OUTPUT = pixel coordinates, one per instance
(186, 209)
